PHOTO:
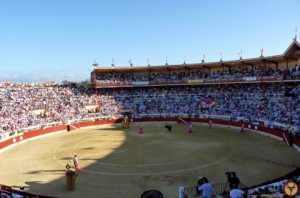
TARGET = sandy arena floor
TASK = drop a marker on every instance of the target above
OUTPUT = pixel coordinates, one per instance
(122, 163)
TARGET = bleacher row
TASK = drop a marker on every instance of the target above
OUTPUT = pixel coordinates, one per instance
(25, 106)
(233, 74)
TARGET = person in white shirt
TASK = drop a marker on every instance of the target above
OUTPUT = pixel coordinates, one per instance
(206, 188)
(236, 193)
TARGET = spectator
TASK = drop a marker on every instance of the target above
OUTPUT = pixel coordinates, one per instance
(236, 193)
(206, 188)
(152, 194)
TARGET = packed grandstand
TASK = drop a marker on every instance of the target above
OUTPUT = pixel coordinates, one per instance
(263, 91)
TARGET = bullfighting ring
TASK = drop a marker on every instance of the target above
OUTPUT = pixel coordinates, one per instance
(119, 162)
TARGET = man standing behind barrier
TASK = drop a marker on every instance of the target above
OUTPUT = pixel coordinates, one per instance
(236, 193)
(206, 188)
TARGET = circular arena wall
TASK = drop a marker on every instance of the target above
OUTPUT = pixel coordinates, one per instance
(20, 138)
(8, 140)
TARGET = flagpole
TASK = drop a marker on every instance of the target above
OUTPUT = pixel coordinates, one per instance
(262, 52)
(95, 64)
(203, 58)
(113, 63)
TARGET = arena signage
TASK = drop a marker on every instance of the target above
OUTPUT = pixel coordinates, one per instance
(140, 83)
(253, 78)
(196, 81)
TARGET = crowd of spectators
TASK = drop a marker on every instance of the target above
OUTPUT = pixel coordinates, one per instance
(289, 73)
(246, 102)
(27, 105)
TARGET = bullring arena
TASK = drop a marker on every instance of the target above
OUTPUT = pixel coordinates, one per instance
(254, 106)
(119, 162)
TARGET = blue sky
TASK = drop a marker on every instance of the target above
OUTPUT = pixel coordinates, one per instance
(43, 40)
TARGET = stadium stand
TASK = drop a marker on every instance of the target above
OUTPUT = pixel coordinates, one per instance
(263, 91)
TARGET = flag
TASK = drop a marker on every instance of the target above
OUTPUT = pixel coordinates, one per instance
(203, 56)
(95, 64)
(262, 51)
(241, 53)
(148, 61)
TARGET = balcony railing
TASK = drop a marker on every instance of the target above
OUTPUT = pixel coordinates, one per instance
(220, 80)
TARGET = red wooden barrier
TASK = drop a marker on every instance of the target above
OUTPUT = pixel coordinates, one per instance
(49, 130)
